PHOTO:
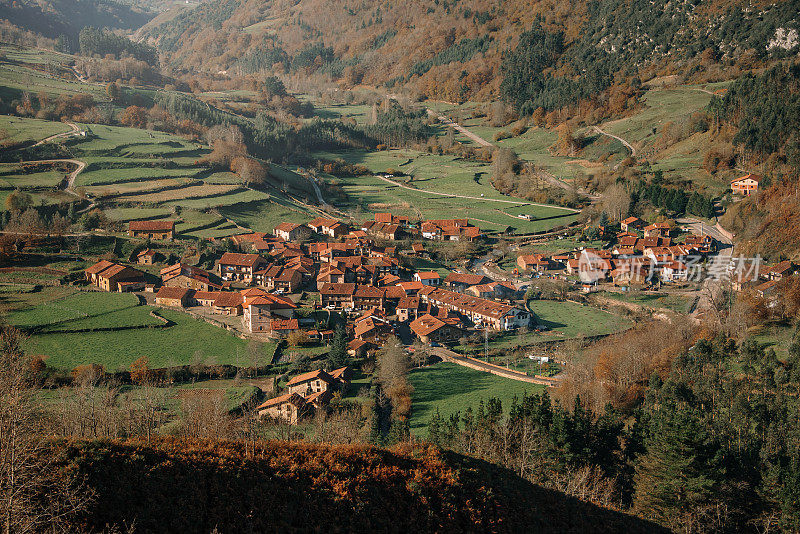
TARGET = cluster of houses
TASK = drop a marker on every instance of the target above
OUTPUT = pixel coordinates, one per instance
(765, 282)
(643, 253)
(262, 282)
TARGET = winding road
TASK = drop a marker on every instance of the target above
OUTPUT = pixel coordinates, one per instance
(629, 146)
(80, 165)
(75, 130)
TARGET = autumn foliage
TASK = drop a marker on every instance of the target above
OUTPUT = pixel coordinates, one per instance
(177, 485)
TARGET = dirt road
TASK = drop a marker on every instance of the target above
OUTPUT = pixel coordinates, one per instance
(444, 120)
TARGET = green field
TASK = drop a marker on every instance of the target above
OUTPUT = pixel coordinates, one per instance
(79, 310)
(430, 174)
(569, 320)
(670, 301)
(174, 345)
(451, 388)
(22, 129)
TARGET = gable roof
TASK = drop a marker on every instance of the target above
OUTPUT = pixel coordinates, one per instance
(167, 292)
(426, 325)
(293, 398)
(755, 177)
(243, 260)
(152, 226)
(312, 375)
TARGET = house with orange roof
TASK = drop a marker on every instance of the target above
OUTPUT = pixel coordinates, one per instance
(234, 266)
(431, 329)
(428, 278)
(161, 230)
(291, 231)
(289, 407)
(173, 296)
(746, 185)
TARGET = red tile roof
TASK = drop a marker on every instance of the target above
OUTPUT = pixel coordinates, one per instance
(152, 226)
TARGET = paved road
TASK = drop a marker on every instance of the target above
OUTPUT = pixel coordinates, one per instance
(450, 356)
(711, 286)
(445, 120)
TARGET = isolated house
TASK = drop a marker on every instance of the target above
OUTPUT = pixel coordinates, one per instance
(746, 185)
(159, 230)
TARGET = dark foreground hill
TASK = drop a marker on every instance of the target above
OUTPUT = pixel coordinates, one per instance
(178, 486)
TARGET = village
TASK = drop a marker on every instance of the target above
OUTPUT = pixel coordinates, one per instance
(358, 274)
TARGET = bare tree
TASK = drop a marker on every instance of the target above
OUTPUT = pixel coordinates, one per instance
(33, 494)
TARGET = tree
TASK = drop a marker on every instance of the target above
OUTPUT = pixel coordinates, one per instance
(679, 476)
(34, 495)
(18, 201)
(113, 92)
(134, 116)
(337, 356)
(140, 370)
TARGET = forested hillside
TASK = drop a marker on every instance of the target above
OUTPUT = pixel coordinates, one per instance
(456, 50)
(54, 18)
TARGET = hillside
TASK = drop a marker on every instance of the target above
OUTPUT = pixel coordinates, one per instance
(455, 50)
(179, 486)
(52, 18)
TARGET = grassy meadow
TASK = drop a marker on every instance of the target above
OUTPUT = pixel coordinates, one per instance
(450, 388)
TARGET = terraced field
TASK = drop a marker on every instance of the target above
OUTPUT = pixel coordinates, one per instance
(431, 178)
(139, 174)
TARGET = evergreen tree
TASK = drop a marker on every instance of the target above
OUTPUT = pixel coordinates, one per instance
(337, 356)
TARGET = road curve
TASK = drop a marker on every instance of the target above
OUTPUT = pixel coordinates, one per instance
(74, 130)
(618, 138)
(70, 188)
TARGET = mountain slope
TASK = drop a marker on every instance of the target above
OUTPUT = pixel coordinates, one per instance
(52, 18)
(454, 50)
(180, 486)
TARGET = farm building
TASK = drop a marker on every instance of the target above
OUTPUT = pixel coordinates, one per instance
(160, 230)
(289, 407)
(110, 276)
(173, 296)
(183, 275)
